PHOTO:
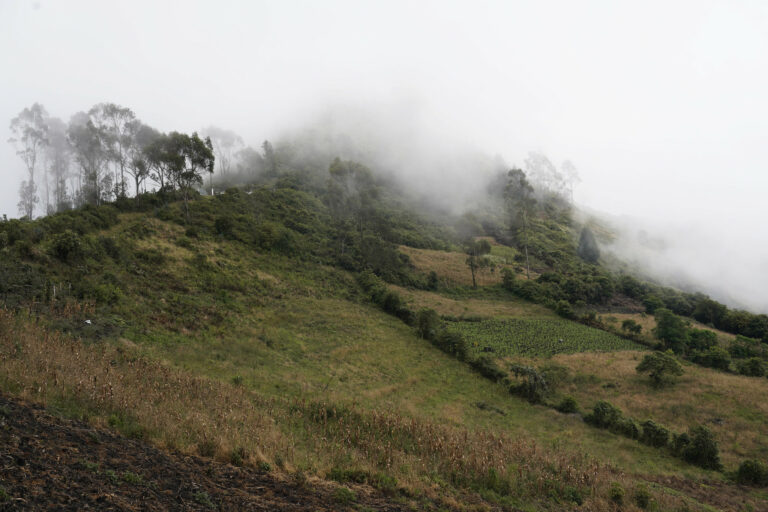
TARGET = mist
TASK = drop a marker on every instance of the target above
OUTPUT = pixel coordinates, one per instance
(660, 106)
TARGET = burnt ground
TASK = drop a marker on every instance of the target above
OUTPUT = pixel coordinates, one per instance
(49, 463)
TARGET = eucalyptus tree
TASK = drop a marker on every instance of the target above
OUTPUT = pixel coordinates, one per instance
(92, 154)
(519, 200)
(138, 163)
(116, 125)
(193, 156)
(226, 145)
(59, 158)
(29, 137)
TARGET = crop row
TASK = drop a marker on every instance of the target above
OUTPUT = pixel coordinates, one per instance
(538, 337)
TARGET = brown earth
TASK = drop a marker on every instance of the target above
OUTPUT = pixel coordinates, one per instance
(48, 463)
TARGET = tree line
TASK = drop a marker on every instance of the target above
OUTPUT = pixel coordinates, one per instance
(108, 153)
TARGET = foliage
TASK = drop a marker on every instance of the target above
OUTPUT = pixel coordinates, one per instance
(654, 434)
(752, 367)
(604, 415)
(715, 357)
(671, 330)
(568, 405)
(588, 249)
(533, 386)
(631, 326)
(661, 367)
(752, 472)
(700, 448)
(538, 337)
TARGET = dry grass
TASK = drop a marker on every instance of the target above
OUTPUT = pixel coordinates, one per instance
(418, 299)
(649, 323)
(451, 267)
(179, 410)
(732, 406)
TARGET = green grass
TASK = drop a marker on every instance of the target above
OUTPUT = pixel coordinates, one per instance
(536, 337)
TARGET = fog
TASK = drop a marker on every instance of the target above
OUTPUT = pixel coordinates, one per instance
(661, 106)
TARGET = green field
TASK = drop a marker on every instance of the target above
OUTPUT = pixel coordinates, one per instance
(538, 337)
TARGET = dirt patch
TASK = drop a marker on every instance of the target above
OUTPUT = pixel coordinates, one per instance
(47, 463)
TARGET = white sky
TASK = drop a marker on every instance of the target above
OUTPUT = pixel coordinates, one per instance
(662, 106)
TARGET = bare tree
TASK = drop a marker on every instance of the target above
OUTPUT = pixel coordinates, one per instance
(29, 137)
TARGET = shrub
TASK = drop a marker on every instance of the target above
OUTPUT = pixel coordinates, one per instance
(626, 427)
(654, 434)
(752, 472)
(487, 368)
(427, 323)
(344, 495)
(701, 339)
(616, 493)
(604, 415)
(631, 326)
(66, 246)
(564, 309)
(715, 357)
(642, 497)
(661, 367)
(702, 449)
(752, 367)
(452, 343)
(568, 405)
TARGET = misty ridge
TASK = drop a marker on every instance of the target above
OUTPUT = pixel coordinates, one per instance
(106, 153)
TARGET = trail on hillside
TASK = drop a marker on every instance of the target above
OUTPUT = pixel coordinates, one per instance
(48, 463)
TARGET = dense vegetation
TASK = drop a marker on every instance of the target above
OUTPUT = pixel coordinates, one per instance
(292, 285)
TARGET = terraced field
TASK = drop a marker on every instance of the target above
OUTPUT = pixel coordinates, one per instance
(538, 337)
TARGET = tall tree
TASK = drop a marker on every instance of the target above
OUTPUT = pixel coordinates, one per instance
(59, 155)
(117, 126)
(270, 159)
(544, 173)
(519, 200)
(91, 154)
(226, 144)
(588, 249)
(477, 251)
(29, 136)
(570, 177)
(138, 162)
(196, 156)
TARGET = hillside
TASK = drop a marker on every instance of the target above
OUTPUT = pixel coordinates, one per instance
(285, 328)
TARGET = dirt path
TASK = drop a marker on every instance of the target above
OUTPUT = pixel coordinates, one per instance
(47, 463)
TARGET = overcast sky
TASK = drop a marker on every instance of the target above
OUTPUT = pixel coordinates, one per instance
(662, 106)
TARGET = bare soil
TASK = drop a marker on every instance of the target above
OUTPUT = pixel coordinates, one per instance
(49, 463)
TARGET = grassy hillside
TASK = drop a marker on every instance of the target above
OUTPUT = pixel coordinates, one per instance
(246, 334)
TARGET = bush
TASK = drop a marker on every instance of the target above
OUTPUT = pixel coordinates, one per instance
(752, 472)
(701, 339)
(344, 496)
(616, 493)
(642, 497)
(568, 405)
(631, 326)
(487, 368)
(66, 246)
(452, 343)
(752, 367)
(427, 323)
(627, 427)
(654, 434)
(604, 415)
(564, 309)
(661, 367)
(715, 357)
(702, 449)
